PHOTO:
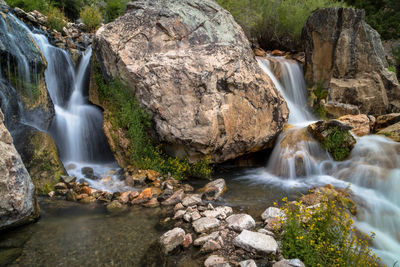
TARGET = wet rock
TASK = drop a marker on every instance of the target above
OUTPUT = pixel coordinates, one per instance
(178, 206)
(272, 212)
(86, 190)
(166, 194)
(259, 52)
(214, 261)
(81, 196)
(179, 214)
(187, 241)
(116, 207)
(289, 263)
(152, 203)
(210, 246)
(360, 123)
(191, 200)
(124, 197)
(88, 172)
(172, 239)
(205, 224)
(238, 222)
(387, 120)
(188, 188)
(335, 136)
(213, 190)
(256, 242)
(203, 239)
(61, 186)
(67, 179)
(393, 132)
(88, 199)
(71, 195)
(248, 263)
(175, 198)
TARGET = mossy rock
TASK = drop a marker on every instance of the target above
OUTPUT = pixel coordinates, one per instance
(335, 136)
(40, 156)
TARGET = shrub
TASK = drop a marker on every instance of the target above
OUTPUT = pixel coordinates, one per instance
(114, 9)
(124, 112)
(337, 143)
(91, 16)
(323, 235)
(56, 19)
(30, 5)
(274, 23)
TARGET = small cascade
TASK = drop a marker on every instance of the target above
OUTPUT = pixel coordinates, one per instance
(372, 171)
(77, 125)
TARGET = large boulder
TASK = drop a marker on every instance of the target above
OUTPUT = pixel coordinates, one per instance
(17, 193)
(189, 63)
(345, 56)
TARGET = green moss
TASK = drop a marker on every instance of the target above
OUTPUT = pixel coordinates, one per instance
(124, 112)
(320, 94)
(336, 143)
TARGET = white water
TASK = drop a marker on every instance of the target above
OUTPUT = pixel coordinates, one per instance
(77, 125)
(372, 171)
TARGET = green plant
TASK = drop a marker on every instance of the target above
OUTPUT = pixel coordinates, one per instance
(337, 143)
(323, 234)
(56, 19)
(274, 23)
(91, 16)
(320, 94)
(30, 5)
(114, 9)
(125, 113)
(392, 68)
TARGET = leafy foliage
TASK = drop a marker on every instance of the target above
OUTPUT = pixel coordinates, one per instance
(56, 19)
(124, 112)
(336, 142)
(323, 234)
(274, 23)
(114, 9)
(30, 5)
(91, 16)
(382, 15)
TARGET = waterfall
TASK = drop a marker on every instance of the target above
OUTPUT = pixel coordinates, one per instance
(372, 171)
(77, 125)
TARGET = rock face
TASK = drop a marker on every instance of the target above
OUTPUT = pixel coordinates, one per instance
(346, 56)
(17, 202)
(191, 66)
(40, 156)
(393, 132)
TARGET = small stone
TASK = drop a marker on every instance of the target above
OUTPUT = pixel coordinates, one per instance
(172, 239)
(205, 224)
(256, 242)
(152, 175)
(165, 194)
(188, 188)
(202, 208)
(67, 179)
(152, 203)
(51, 194)
(248, 263)
(187, 217)
(61, 192)
(213, 190)
(88, 199)
(219, 212)
(187, 241)
(179, 214)
(195, 215)
(272, 224)
(124, 197)
(71, 195)
(81, 196)
(178, 206)
(61, 186)
(175, 198)
(191, 200)
(210, 246)
(201, 240)
(210, 206)
(272, 212)
(289, 263)
(115, 207)
(133, 195)
(214, 260)
(239, 222)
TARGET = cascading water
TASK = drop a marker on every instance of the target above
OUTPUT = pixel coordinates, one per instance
(372, 171)
(77, 125)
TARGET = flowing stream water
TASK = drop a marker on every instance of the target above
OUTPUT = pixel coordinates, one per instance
(77, 125)
(372, 171)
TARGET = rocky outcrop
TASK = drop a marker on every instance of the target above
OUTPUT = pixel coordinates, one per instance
(361, 123)
(345, 55)
(191, 66)
(23, 91)
(40, 156)
(392, 131)
(17, 193)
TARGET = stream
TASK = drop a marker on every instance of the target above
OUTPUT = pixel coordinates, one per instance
(71, 234)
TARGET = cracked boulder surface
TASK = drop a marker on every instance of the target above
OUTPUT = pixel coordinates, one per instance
(189, 63)
(345, 55)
